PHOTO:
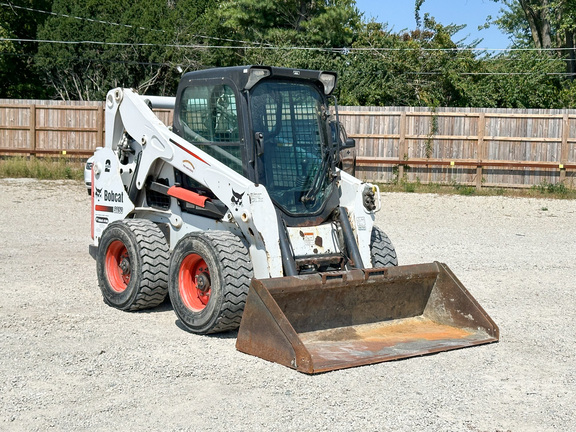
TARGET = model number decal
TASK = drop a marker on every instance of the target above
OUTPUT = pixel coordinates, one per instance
(109, 209)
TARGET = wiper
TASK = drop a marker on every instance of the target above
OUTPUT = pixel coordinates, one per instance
(327, 164)
(318, 179)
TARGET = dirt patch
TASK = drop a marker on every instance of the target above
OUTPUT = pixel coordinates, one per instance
(69, 362)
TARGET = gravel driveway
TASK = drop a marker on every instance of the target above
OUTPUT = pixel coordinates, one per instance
(69, 362)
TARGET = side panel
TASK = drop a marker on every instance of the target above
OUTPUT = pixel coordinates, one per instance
(315, 240)
(362, 220)
(110, 200)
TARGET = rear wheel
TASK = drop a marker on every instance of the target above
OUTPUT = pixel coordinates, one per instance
(382, 252)
(132, 265)
(210, 274)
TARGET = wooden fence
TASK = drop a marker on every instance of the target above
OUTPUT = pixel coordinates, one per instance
(481, 147)
(54, 128)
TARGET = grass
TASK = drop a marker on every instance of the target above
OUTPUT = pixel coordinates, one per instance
(543, 190)
(41, 168)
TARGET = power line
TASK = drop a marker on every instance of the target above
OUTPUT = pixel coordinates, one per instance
(12, 6)
(482, 60)
(493, 73)
(144, 44)
(91, 60)
(421, 73)
(460, 49)
(344, 51)
(98, 21)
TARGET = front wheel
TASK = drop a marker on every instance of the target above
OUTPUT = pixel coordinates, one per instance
(382, 252)
(132, 264)
(209, 277)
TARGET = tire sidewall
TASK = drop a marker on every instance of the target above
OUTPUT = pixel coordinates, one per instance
(201, 321)
(121, 232)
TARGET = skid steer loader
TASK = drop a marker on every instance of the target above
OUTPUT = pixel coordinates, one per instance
(240, 213)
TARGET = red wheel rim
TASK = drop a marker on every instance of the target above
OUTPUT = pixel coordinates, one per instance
(118, 267)
(194, 282)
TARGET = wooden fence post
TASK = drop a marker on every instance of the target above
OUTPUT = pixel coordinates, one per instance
(100, 126)
(402, 145)
(480, 151)
(32, 126)
(564, 146)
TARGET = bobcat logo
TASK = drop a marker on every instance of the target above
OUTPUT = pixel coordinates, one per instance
(236, 198)
(98, 193)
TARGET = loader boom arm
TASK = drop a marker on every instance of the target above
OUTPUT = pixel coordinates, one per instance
(127, 112)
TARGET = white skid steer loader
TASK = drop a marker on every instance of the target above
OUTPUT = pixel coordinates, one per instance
(240, 212)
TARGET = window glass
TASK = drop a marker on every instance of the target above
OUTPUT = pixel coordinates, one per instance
(294, 164)
(209, 119)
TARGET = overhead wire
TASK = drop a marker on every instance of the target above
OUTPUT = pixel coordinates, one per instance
(254, 45)
(216, 47)
(343, 50)
(99, 21)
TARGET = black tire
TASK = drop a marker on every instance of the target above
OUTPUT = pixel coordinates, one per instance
(132, 265)
(382, 252)
(210, 273)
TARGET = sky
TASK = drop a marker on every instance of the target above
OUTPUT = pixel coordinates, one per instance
(399, 14)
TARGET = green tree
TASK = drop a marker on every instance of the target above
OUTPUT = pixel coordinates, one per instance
(130, 44)
(421, 67)
(424, 67)
(269, 31)
(18, 76)
(542, 24)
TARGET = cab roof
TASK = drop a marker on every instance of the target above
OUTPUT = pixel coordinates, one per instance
(241, 75)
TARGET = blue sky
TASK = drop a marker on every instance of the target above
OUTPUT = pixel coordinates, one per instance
(399, 14)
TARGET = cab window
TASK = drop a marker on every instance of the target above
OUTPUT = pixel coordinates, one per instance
(209, 119)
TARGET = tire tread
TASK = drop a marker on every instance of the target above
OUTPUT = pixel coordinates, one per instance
(237, 274)
(382, 252)
(154, 253)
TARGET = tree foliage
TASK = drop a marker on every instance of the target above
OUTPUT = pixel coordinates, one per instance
(542, 24)
(270, 31)
(425, 67)
(18, 75)
(328, 23)
(91, 46)
(141, 53)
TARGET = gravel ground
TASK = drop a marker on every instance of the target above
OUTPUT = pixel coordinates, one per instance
(69, 362)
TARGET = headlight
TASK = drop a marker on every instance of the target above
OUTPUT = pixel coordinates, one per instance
(329, 81)
(369, 198)
(255, 75)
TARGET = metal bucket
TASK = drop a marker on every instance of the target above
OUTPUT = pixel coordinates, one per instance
(327, 321)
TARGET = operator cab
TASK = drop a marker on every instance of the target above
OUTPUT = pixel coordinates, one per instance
(272, 125)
